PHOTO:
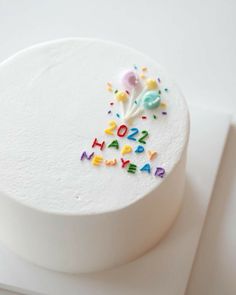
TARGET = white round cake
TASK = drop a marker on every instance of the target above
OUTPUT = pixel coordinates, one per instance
(92, 154)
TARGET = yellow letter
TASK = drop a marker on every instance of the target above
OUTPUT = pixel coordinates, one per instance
(97, 160)
(126, 149)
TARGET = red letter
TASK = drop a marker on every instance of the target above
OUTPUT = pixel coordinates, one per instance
(124, 162)
(96, 143)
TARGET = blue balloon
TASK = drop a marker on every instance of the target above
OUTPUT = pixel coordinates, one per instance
(151, 100)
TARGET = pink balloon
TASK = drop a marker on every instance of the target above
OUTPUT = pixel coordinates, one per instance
(130, 79)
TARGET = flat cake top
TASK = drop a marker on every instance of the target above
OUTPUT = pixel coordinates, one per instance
(87, 126)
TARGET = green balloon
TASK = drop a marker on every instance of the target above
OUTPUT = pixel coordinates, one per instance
(151, 100)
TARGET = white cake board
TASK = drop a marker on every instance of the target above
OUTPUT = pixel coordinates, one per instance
(164, 270)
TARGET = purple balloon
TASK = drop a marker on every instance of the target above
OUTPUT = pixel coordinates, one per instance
(130, 79)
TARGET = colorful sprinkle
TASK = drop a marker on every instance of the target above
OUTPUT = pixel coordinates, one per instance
(117, 115)
(109, 112)
(115, 91)
(163, 104)
(164, 113)
(111, 103)
(135, 102)
(109, 89)
(159, 80)
(135, 67)
(142, 76)
(155, 117)
(144, 69)
(166, 89)
(159, 91)
(144, 117)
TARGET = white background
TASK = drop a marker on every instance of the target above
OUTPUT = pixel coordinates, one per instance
(196, 42)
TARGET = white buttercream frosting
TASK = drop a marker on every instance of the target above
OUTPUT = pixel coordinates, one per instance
(54, 102)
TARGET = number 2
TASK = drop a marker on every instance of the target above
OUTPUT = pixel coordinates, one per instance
(131, 136)
(111, 128)
(141, 140)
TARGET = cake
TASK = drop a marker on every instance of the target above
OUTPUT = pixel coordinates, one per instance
(92, 156)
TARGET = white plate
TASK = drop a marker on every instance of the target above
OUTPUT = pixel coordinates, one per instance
(164, 270)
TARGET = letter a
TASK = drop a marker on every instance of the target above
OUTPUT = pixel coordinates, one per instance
(146, 168)
(114, 144)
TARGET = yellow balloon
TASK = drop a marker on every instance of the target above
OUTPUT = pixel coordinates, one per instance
(121, 96)
(151, 84)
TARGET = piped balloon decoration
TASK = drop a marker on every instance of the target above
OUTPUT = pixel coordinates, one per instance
(151, 100)
(148, 99)
(130, 79)
(139, 95)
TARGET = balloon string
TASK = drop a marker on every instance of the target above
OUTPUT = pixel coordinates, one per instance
(122, 109)
(136, 113)
(131, 101)
(135, 106)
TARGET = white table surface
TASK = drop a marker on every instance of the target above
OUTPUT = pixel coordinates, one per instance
(195, 41)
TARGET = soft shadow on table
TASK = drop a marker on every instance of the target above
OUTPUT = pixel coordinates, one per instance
(214, 271)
